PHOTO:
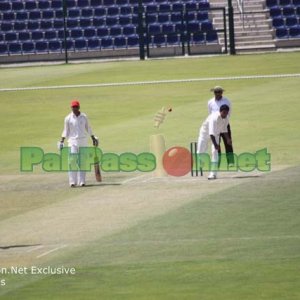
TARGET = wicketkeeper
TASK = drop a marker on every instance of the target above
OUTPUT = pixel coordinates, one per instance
(214, 125)
(76, 131)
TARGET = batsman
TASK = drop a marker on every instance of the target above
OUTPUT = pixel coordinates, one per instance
(76, 131)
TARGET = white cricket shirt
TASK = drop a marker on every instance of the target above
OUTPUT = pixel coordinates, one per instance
(214, 105)
(215, 124)
(76, 128)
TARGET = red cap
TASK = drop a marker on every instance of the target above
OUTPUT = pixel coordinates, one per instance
(75, 103)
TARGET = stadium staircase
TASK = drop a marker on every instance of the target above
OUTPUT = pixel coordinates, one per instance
(254, 32)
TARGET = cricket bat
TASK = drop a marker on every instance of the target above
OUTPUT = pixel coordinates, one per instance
(97, 167)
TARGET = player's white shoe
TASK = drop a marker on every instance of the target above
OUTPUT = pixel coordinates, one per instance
(212, 176)
(72, 185)
(82, 184)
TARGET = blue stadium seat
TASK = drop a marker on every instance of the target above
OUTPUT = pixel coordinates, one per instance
(135, 9)
(177, 6)
(133, 41)
(19, 26)
(106, 42)
(60, 34)
(33, 25)
(10, 37)
(98, 21)
(125, 10)
(278, 22)
(124, 20)
(99, 12)
(198, 38)
(154, 28)
(87, 12)
(96, 3)
(41, 46)
(202, 16)
(168, 28)
(151, 18)
(5, 6)
(59, 14)
(89, 32)
(193, 26)
(122, 2)
(176, 17)
(163, 18)
(288, 10)
(71, 3)
(282, 33)
(203, 5)
(151, 8)
(271, 3)
(3, 49)
(43, 4)
(15, 48)
(212, 37)
(108, 3)
(132, 2)
(69, 45)
(192, 5)
(190, 16)
(50, 35)
(21, 15)
(298, 11)
(134, 19)
(30, 5)
(296, 2)
(35, 15)
(48, 14)
(93, 44)
(73, 12)
(173, 39)
(275, 11)
(28, 47)
(180, 27)
(37, 35)
(294, 32)
(17, 5)
(159, 40)
(58, 24)
(120, 41)
(206, 26)
(115, 30)
(76, 33)
(102, 31)
(24, 36)
(111, 20)
(56, 4)
(164, 7)
(113, 10)
(46, 24)
(8, 16)
(1, 37)
(55, 46)
(80, 44)
(72, 23)
(85, 22)
(284, 2)
(83, 3)
(129, 30)
(291, 21)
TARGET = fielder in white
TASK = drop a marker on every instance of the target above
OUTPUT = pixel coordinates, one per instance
(76, 131)
(214, 125)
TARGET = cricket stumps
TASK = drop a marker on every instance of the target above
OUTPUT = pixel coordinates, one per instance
(158, 148)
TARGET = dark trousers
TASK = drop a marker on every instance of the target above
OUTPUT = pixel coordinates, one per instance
(228, 148)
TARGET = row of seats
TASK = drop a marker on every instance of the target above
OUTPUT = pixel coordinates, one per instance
(289, 21)
(288, 33)
(284, 11)
(106, 42)
(29, 6)
(273, 3)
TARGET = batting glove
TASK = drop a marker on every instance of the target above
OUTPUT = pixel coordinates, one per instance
(95, 141)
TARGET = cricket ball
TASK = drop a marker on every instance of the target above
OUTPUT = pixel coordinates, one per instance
(177, 161)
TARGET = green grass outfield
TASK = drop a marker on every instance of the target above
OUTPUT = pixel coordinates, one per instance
(232, 239)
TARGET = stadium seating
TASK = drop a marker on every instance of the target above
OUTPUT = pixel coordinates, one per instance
(285, 16)
(37, 26)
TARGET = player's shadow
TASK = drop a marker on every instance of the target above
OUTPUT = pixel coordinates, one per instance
(18, 246)
(102, 184)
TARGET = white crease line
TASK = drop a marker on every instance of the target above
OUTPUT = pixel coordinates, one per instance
(35, 248)
(50, 251)
(148, 82)
(133, 178)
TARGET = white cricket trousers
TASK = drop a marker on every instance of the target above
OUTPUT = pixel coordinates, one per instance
(76, 177)
(202, 145)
